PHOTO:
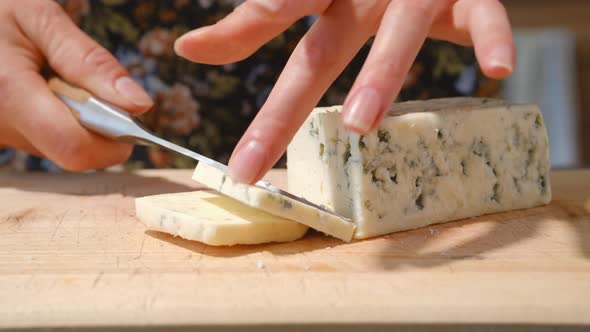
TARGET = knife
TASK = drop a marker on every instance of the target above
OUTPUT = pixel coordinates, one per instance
(110, 121)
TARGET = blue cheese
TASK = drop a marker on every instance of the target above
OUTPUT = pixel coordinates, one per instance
(428, 162)
(214, 219)
(274, 203)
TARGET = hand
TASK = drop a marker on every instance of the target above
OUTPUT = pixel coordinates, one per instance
(39, 32)
(343, 26)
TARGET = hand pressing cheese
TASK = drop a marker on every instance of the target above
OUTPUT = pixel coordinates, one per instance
(274, 203)
(429, 162)
(214, 219)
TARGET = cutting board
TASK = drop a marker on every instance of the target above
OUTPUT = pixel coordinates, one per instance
(72, 254)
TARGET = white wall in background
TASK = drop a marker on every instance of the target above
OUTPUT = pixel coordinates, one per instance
(546, 75)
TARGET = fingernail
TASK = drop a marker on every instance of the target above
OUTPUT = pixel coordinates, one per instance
(247, 162)
(501, 58)
(363, 110)
(133, 92)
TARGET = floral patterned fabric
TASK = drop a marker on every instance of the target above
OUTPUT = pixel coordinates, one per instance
(207, 108)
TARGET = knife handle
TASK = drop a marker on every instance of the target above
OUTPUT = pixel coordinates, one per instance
(98, 116)
(60, 87)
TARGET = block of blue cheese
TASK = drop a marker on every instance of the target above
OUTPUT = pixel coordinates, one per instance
(428, 162)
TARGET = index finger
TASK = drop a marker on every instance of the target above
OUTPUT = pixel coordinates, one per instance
(241, 33)
(317, 60)
(402, 32)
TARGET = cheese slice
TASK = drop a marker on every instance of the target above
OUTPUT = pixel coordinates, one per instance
(428, 162)
(214, 219)
(274, 203)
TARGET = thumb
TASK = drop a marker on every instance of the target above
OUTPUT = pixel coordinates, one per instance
(78, 58)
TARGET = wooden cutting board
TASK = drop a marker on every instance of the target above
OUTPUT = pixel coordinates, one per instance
(72, 254)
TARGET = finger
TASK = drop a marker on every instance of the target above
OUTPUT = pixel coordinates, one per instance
(402, 32)
(447, 27)
(50, 127)
(246, 29)
(317, 60)
(490, 31)
(78, 58)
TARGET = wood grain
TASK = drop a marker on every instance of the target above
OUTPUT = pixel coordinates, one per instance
(72, 254)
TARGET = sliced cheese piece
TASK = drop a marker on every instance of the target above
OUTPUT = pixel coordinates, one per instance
(428, 162)
(274, 203)
(214, 219)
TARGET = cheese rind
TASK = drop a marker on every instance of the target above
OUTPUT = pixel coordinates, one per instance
(214, 219)
(274, 203)
(429, 162)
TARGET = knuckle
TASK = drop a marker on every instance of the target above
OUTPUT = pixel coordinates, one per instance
(287, 9)
(47, 14)
(46, 8)
(421, 10)
(73, 59)
(95, 56)
(95, 59)
(316, 53)
(493, 3)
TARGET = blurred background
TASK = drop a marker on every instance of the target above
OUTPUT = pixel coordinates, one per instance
(207, 108)
(553, 70)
